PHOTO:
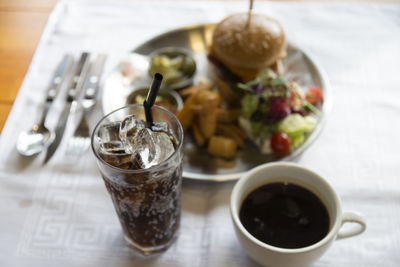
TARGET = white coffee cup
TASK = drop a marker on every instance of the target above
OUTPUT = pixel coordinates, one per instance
(292, 173)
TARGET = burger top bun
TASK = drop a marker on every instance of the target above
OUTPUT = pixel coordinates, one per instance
(250, 44)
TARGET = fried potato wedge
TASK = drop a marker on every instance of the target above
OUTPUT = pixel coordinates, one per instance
(226, 92)
(186, 114)
(198, 136)
(211, 113)
(237, 130)
(222, 147)
(197, 108)
(227, 115)
(195, 89)
(226, 131)
(208, 116)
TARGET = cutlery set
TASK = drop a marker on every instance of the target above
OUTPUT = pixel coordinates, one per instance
(84, 79)
(80, 141)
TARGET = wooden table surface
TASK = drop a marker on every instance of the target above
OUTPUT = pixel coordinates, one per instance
(21, 25)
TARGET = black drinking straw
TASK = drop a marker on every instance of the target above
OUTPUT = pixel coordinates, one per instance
(249, 13)
(151, 97)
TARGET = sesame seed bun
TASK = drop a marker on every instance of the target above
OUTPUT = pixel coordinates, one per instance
(247, 44)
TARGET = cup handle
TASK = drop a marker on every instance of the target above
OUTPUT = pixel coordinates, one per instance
(352, 217)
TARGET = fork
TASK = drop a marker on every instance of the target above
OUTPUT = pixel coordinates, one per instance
(79, 143)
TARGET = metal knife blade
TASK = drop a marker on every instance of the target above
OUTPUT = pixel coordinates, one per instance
(78, 77)
(59, 76)
(75, 85)
(59, 132)
(92, 85)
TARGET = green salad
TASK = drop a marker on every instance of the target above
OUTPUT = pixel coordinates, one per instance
(276, 114)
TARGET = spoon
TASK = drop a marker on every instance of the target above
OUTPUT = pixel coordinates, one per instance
(35, 140)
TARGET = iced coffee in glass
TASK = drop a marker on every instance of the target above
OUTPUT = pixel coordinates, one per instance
(141, 165)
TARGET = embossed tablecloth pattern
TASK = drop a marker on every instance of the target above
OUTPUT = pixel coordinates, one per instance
(60, 214)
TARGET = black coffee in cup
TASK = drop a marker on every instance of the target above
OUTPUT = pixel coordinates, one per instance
(285, 215)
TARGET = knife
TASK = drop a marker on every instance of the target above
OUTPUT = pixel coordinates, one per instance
(92, 84)
(91, 88)
(74, 87)
(59, 76)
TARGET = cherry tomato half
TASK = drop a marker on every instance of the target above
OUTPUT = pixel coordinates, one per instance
(314, 95)
(280, 143)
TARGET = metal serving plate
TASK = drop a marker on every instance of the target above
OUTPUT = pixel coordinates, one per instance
(197, 164)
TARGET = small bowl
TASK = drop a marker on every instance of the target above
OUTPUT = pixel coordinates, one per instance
(176, 64)
(166, 98)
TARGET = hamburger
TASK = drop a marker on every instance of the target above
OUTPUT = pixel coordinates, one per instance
(245, 43)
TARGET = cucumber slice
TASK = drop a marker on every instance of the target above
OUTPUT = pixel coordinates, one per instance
(297, 141)
(295, 125)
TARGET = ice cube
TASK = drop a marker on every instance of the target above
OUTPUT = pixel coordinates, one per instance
(164, 146)
(143, 148)
(113, 153)
(161, 127)
(128, 131)
(109, 132)
(130, 144)
(112, 147)
(151, 148)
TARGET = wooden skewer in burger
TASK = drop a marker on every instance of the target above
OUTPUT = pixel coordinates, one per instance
(245, 43)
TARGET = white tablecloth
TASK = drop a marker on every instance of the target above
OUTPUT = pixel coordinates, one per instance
(60, 214)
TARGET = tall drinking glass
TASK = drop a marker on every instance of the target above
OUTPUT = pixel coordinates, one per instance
(147, 200)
